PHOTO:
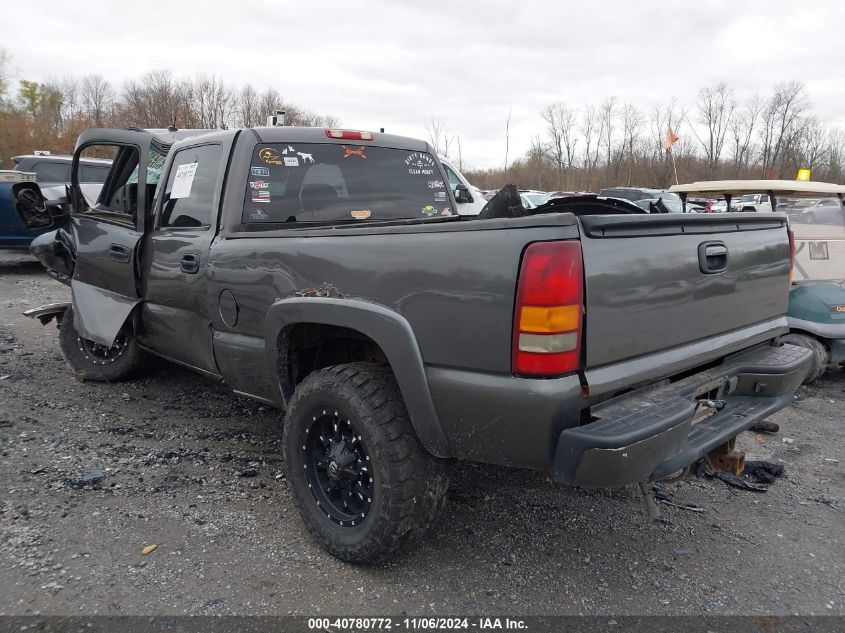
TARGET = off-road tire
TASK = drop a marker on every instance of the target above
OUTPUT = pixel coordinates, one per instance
(87, 366)
(821, 357)
(409, 484)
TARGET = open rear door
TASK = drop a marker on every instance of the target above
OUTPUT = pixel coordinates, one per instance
(107, 230)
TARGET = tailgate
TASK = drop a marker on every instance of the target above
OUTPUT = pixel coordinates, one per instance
(656, 282)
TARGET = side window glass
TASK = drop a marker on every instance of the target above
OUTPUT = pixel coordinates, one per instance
(91, 173)
(52, 172)
(121, 196)
(191, 183)
(454, 181)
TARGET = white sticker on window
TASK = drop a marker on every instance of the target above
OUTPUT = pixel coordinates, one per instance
(183, 181)
(292, 161)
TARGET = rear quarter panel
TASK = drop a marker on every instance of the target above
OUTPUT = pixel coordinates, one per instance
(454, 283)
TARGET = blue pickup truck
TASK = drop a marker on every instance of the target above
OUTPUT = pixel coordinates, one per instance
(51, 175)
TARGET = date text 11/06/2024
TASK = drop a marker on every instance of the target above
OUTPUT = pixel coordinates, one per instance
(429, 624)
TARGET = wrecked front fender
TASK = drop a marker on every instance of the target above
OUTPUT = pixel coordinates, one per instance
(56, 252)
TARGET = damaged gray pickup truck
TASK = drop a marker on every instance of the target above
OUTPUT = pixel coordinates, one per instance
(328, 272)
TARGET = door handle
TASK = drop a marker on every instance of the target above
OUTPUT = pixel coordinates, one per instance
(119, 253)
(190, 264)
(712, 257)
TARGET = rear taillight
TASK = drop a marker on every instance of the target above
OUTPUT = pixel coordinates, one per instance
(791, 253)
(350, 135)
(549, 310)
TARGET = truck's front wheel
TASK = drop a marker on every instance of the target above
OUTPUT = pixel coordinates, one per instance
(92, 361)
(363, 483)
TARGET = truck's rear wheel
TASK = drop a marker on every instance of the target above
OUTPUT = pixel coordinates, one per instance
(101, 363)
(821, 357)
(363, 483)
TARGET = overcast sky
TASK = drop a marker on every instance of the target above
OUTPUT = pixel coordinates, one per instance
(392, 64)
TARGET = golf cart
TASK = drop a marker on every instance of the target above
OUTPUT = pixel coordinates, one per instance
(816, 312)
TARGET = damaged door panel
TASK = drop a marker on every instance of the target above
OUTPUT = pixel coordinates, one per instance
(100, 313)
(107, 232)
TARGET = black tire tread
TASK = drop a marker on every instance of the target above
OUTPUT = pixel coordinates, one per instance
(419, 481)
(821, 357)
(124, 368)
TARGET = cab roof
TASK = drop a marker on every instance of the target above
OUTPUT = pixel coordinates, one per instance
(791, 188)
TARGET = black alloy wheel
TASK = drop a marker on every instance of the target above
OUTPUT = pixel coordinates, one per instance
(337, 467)
(102, 354)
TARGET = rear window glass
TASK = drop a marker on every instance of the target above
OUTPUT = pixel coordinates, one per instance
(325, 182)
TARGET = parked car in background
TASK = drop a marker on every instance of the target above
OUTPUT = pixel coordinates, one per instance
(470, 199)
(52, 171)
(645, 196)
(536, 197)
(50, 175)
(563, 194)
(822, 211)
(526, 201)
(759, 202)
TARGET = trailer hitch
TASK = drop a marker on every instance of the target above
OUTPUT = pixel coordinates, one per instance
(726, 457)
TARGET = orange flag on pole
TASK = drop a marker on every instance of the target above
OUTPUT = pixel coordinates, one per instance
(671, 139)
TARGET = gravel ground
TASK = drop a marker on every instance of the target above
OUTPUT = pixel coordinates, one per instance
(189, 467)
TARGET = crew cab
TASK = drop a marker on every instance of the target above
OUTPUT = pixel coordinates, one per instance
(329, 273)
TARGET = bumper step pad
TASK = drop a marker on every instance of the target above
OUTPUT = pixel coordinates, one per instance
(650, 433)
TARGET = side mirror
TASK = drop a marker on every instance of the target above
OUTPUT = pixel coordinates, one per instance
(462, 194)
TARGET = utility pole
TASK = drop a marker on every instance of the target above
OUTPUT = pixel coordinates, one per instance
(507, 137)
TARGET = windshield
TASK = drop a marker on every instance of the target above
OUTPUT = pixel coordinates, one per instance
(672, 201)
(537, 198)
(800, 204)
(749, 197)
(326, 182)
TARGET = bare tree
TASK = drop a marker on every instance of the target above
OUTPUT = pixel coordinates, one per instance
(632, 122)
(439, 136)
(212, 102)
(743, 126)
(715, 105)
(70, 98)
(836, 156)
(5, 60)
(588, 131)
(781, 120)
(607, 114)
(537, 156)
(815, 144)
(97, 96)
(663, 118)
(249, 114)
(560, 138)
(51, 104)
(269, 101)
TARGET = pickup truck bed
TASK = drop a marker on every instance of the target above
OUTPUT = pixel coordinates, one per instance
(605, 349)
